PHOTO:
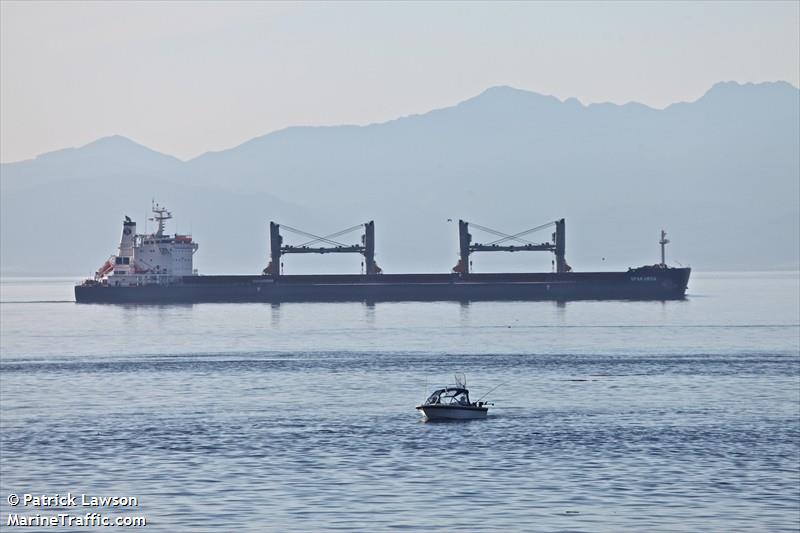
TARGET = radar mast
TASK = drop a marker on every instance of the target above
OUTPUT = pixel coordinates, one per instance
(663, 242)
(161, 215)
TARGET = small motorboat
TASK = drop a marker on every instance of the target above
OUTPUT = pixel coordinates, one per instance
(452, 403)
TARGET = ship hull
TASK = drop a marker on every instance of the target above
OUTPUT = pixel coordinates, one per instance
(452, 412)
(646, 283)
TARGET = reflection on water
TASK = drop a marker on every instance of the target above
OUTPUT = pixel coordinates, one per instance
(646, 416)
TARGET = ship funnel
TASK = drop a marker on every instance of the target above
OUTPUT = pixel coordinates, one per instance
(128, 236)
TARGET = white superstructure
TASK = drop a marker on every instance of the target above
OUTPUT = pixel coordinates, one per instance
(147, 259)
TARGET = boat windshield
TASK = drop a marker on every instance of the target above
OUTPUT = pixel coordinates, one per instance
(449, 397)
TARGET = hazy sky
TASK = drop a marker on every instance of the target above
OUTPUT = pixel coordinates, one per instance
(188, 77)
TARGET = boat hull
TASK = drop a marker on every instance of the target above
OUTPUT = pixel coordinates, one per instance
(636, 284)
(452, 412)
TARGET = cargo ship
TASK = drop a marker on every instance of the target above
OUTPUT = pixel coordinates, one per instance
(157, 268)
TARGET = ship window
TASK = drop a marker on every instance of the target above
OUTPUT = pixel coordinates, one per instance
(118, 261)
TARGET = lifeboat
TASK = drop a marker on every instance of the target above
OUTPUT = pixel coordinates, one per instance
(107, 267)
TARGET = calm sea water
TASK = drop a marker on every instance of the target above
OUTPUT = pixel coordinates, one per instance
(647, 416)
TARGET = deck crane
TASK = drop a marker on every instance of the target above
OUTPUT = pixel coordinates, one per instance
(321, 245)
(466, 247)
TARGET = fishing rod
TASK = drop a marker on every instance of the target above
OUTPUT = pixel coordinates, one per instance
(491, 391)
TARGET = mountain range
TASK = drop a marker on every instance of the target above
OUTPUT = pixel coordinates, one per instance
(720, 174)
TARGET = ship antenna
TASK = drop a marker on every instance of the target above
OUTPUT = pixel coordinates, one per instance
(663, 242)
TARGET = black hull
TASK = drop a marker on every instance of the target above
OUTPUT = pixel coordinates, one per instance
(646, 283)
